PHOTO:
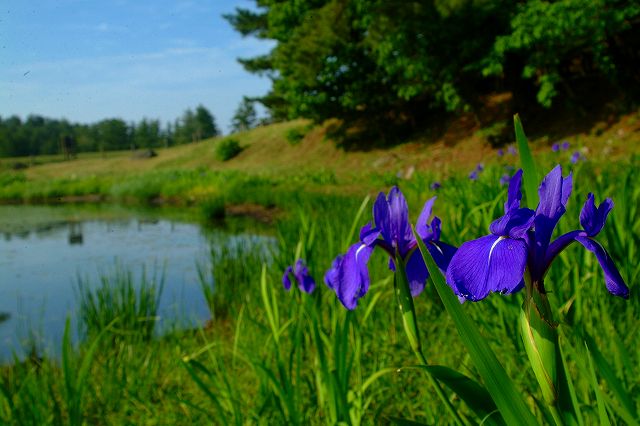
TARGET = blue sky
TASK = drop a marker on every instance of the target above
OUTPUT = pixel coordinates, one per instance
(88, 60)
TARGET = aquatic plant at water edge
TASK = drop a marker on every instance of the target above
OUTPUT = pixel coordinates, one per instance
(133, 304)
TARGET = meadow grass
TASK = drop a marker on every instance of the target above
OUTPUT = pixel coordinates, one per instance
(275, 357)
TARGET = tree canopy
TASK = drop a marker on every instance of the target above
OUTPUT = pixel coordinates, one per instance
(245, 116)
(384, 63)
(39, 135)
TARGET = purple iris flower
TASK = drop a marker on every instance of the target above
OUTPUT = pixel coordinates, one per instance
(504, 179)
(577, 156)
(349, 276)
(300, 273)
(555, 147)
(473, 175)
(480, 167)
(500, 152)
(512, 150)
(520, 242)
(435, 186)
(564, 145)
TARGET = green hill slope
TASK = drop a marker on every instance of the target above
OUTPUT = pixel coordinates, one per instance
(267, 153)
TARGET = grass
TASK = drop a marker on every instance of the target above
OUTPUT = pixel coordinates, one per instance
(269, 157)
(130, 307)
(274, 357)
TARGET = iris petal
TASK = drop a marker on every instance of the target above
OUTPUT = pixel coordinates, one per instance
(593, 218)
(514, 195)
(381, 217)
(399, 218)
(305, 282)
(331, 277)
(353, 276)
(515, 223)
(490, 263)
(435, 228)
(442, 253)
(554, 193)
(368, 234)
(422, 228)
(286, 280)
(615, 283)
(417, 273)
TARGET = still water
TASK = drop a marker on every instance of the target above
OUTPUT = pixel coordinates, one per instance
(45, 249)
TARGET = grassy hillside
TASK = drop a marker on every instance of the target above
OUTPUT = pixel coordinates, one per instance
(269, 155)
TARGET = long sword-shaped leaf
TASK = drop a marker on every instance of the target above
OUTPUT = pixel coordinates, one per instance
(568, 396)
(467, 389)
(627, 409)
(530, 176)
(602, 409)
(505, 395)
(354, 224)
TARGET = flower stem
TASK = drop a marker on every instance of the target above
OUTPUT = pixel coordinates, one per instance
(410, 324)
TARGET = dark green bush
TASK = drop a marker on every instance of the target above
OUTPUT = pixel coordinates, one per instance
(294, 136)
(212, 208)
(227, 149)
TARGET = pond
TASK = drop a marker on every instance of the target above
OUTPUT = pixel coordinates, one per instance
(46, 250)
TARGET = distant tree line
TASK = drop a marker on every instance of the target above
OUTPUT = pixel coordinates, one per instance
(38, 135)
(376, 63)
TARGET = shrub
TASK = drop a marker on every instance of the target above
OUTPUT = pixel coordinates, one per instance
(212, 208)
(294, 136)
(227, 149)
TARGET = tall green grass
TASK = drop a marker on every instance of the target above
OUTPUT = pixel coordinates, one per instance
(277, 357)
(231, 271)
(118, 300)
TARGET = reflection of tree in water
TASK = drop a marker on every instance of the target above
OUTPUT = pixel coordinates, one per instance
(4, 316)
(75, 233)
(141, 222)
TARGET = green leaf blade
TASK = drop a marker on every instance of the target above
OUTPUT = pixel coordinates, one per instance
(530, 176)
(502, 390)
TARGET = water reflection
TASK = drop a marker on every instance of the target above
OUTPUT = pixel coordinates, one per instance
(75, 233)
(40, 262)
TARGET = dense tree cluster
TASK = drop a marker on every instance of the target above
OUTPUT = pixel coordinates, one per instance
(381, 62)
(38, 135)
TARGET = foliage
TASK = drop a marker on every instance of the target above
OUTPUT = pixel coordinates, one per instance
(38, 135)
(227, 149)
(328, 365)
(220, 279)
(195, 126)
(295, 135)
(384, 66)
(245, 116)
(212, 208)
(558, 42)
(147, 134)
